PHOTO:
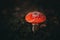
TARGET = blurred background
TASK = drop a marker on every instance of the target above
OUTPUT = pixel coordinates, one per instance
(14, 27)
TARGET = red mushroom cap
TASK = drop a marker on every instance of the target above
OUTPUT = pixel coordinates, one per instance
(35, 17)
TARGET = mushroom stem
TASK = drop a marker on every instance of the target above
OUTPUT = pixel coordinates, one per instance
(33, 27)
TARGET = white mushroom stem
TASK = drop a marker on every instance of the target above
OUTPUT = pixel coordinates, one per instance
(33, 27)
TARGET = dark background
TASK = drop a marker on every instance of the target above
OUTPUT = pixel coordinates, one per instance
(14, 27)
